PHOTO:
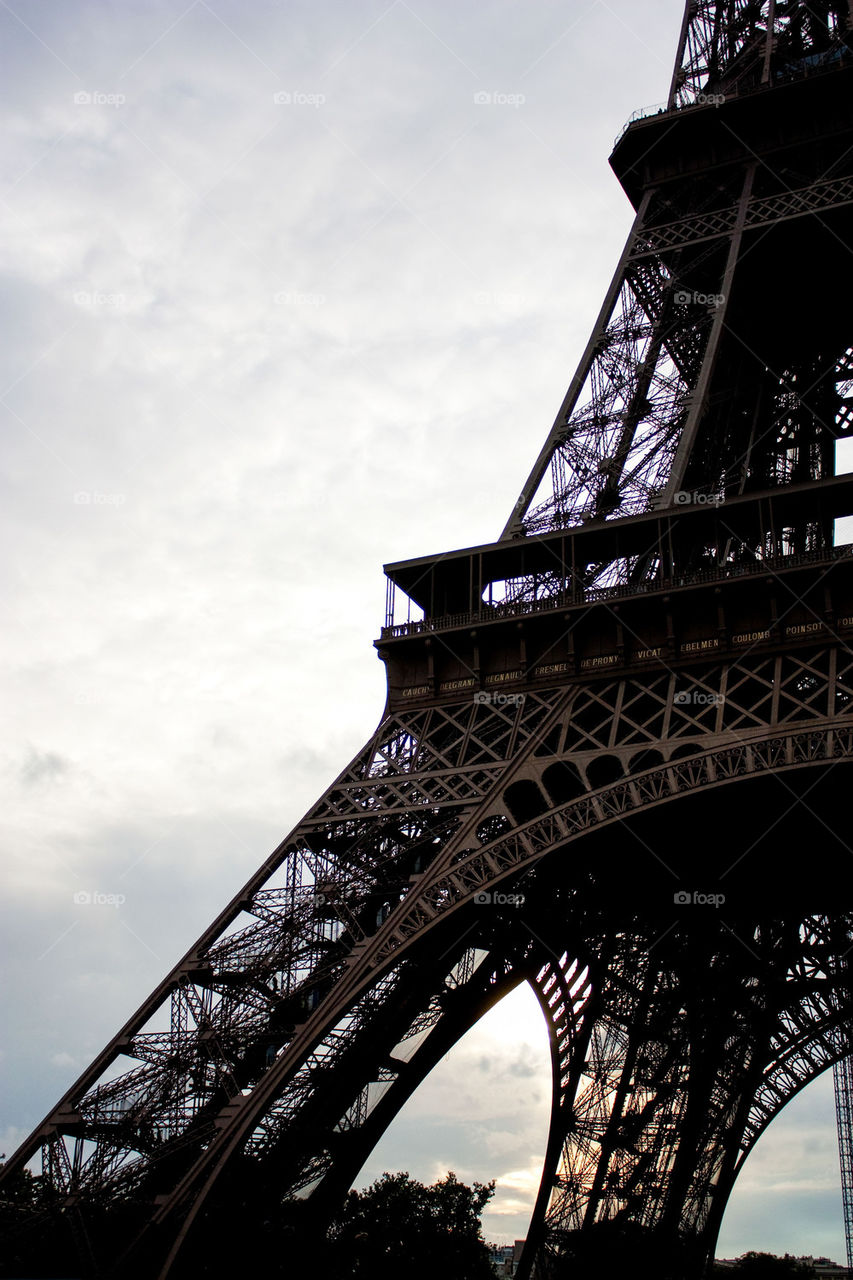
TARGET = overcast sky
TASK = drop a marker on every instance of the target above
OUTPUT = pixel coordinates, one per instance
(284, 299)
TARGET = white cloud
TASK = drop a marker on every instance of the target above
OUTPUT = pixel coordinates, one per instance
(63, 1059)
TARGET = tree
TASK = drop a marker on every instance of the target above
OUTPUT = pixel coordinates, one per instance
(767, 1266)
(21, 1192)
(615, 1247)
(400, 1228)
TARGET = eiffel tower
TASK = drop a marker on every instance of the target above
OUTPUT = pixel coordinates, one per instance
(613, 765)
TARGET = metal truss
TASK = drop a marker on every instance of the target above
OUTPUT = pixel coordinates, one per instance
(624, 436)
(635, 421)
(256, 1053)
(670, 1105)
(818, 197)
(611, 448)
(843, 1080)
(479, 841)
(738, 46)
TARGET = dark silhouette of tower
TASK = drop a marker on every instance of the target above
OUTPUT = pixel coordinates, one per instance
(613, 764)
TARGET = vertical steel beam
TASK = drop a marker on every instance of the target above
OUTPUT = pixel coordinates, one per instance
(842, 1074)
(697, 408)
(515, 523)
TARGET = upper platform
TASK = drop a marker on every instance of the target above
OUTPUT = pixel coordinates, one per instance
(728, 128)
(456, 582)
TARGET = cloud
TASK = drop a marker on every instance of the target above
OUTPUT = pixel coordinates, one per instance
(63, 1059)
(43, 767)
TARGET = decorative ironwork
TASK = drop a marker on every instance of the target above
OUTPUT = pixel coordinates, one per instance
(662, 627)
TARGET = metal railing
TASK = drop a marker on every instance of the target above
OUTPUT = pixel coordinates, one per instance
(591, 595)
(815, 64)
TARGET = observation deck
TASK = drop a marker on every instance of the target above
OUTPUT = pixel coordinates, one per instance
(517, 614)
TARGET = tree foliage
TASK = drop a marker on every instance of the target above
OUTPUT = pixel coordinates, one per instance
(400, 1228)
(21, 1191)
(767, 1266)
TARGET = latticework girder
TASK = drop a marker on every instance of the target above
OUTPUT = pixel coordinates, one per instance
(634, 431)
(739, 46)
(843, 1079)
(240, 1001)
(517, 816)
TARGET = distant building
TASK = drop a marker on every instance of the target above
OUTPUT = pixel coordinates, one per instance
(827, 1269)
(505, 1257)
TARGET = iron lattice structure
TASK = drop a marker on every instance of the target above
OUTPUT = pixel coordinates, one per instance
(607, 743)
(843, 1081)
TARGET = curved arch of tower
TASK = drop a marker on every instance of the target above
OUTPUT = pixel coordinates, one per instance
(609, 738)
